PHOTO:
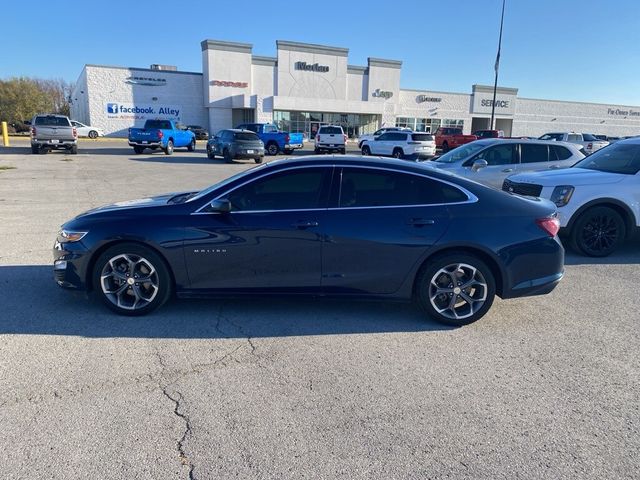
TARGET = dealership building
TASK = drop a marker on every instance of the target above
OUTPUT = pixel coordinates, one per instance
(307, 85)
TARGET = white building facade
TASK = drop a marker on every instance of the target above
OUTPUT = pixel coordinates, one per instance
(307, 85)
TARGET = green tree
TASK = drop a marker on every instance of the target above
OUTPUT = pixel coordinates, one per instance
(22, 97)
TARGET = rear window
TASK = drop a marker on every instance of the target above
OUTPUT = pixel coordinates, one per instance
(556, 152)
(159, 124)
(330, 130)
(53, 121)
(421, 137)
(589, 138)
(246, 136)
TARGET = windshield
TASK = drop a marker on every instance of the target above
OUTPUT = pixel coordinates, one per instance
(616, 158)
(461, 153)
(224, 182)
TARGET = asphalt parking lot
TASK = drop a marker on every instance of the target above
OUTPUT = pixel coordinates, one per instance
(543, 387)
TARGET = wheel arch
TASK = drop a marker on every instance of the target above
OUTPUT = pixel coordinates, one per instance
(499, 274)
(103, 248)
(630, 221)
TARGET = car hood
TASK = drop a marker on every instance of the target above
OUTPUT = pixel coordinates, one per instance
(156, 201)
(568, 176)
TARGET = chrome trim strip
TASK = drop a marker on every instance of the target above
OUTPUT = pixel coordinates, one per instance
(471, 197)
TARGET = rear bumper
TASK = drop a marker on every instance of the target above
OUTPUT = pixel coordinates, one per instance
(135, 143)
(330, 147)
(538, 286)
(60, 143)
(293, 146)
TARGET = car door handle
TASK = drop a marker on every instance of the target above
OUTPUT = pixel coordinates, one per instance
(554, 166)
(507, 170)
(421, 222)
(302, 224)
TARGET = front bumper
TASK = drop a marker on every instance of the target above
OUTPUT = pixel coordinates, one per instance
(70, 262)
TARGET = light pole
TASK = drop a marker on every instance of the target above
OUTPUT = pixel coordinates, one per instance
(497, 66)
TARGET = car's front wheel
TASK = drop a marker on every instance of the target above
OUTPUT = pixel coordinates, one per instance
(131, 279)
(192, 146)
(210, 153)
(598, 232)
(92, 134)
(455, 288)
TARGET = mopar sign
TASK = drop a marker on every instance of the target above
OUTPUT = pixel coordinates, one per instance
(130, 111)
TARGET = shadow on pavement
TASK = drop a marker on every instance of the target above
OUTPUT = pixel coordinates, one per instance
(628, 254)
(32, 304)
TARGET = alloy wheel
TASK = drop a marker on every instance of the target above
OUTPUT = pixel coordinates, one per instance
(599, 234)
(129, 281)
(458, 291)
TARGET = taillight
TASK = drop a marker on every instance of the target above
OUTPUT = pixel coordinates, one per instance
(318, 138)
(551, 225)
(590, 146)
(287, 138)
(75, 132)
(160, 134)
(33, 132)
(345, 138)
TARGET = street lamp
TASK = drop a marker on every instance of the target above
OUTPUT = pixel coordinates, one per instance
(497, 66)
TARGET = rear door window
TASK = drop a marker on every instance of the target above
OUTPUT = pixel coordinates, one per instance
(533, 153)
(397, 137)
(361, 187)
(557, 152)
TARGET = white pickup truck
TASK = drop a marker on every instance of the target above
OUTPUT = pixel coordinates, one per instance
(589, 142)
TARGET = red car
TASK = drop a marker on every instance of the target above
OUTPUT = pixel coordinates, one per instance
(451, 137)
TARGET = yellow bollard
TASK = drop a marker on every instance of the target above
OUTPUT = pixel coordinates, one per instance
(5, 134)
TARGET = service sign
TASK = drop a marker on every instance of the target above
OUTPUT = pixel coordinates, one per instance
(483, 102)
(142, 111)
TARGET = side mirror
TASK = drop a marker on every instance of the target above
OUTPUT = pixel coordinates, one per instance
(221, 205)
(478, 164)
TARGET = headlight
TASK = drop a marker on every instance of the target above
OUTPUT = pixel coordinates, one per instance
(562, 194)
(67, 236)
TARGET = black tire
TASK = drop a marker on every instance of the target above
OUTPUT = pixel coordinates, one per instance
(92, 134)
(227, 156)
(316, 151)
(343, 151)
(168, 150)
(259, 159)
(598, 232)
(272, 148)
(445, 147)
(35, 149)
(366, 151)
(138, 150)
(192, 145)
(73, 150)
(445, 271)
(127, 297)
(210, 153)
(42, 150)
(397, 153)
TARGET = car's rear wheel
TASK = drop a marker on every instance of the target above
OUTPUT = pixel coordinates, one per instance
(259, 159)
(168, 150)
(131, 279)
(92, 134)
(272, 148)
(35, 149)
(397, 153)
(455, 288)
(445, 147)
(366, 151)
(598, 232)
(73, 150)
(192, 145)
(138, 150)
(227, 156)
(210, 153)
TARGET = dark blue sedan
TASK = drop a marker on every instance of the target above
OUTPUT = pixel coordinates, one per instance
(338, 226)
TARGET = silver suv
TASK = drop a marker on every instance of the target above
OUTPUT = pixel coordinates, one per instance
(491, 161)
(53, 132)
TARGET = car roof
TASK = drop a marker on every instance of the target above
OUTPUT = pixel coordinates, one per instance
(629, 141)
(238, 130)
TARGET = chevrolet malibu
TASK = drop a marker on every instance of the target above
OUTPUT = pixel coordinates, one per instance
(328, 226)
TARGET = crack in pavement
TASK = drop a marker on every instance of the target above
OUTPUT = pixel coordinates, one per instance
(177, 403)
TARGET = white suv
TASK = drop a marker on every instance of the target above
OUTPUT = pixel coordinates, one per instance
(589, 142)
(598, 198)
(402, 144)
(377, 133)
(330, 138)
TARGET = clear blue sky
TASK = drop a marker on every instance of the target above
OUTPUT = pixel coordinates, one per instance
(583, 50)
